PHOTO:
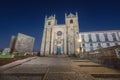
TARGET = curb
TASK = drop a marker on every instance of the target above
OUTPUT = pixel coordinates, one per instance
(15, 63)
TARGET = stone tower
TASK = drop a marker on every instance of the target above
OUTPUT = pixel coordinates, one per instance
(46, 40)
(72, 26)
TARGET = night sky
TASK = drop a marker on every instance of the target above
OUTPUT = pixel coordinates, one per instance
(27, 16)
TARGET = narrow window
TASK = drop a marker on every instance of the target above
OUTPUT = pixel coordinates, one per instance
(116, 44)
(71, 21)
(90, 39)
(91, 44)
(82, 36)
(99, 45)
(49, 23)
(106, 37)
(83, 45)
(108, 44)
(98, 39)
(114, 37)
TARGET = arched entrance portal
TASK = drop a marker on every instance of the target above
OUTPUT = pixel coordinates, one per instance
(58, 50)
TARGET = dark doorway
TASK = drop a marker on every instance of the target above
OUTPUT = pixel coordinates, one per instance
(58, 50)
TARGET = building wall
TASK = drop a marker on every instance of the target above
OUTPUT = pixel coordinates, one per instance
(12, 43)
(99, 39)
(24, 43)
(66, 40)
(58, 40)
(72, 40)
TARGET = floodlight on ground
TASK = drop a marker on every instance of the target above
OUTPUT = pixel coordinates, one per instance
(79, 40)
(78, 50)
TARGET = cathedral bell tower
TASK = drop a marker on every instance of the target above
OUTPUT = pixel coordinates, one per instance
(46, 39)
(72, 27)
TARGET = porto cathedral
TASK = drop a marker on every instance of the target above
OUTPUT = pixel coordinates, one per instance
(66, 38)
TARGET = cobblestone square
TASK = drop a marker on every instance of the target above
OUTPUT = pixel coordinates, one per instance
(58, 68)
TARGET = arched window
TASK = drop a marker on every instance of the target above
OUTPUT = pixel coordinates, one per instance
(71, 21)
(49, 23)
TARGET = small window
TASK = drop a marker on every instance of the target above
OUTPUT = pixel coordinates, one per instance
(91, 44)
(71, 21)
(90, 39)
(116, 44)
(114, 37)
(108, 44)
(82, 36)
(97, 37)
(77, 32)
(106, 37)
(83, 45)
(49, 23)
(99, 45)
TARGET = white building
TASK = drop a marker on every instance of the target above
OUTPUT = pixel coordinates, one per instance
(66, 38)
(99, 39)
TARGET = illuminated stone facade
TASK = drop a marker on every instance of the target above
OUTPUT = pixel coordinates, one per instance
(60, 39)
(66, 38)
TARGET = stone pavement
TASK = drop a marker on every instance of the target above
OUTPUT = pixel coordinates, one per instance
(98, 71)
(58, 68)
(15, 63)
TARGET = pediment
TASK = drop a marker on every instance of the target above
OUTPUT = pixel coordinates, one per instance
(51, 17)
(71, 15)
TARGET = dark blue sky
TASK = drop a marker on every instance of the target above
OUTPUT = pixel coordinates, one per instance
(27, 16)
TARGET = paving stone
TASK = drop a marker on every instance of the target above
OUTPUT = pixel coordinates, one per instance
(56, 68)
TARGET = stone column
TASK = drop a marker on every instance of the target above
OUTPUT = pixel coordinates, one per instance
(52, 42)
(47, 50)
(43, 44)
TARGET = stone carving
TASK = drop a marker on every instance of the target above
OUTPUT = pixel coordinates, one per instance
(59, 33)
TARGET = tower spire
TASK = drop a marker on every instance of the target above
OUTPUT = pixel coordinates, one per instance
(76, 14)
(54, 16)
(45, 17)
(65, 15)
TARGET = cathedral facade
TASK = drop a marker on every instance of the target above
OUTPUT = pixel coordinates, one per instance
(66, 38)
(60, 39)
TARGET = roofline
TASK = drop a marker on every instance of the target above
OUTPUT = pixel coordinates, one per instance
(102, 31)
(25, 35)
